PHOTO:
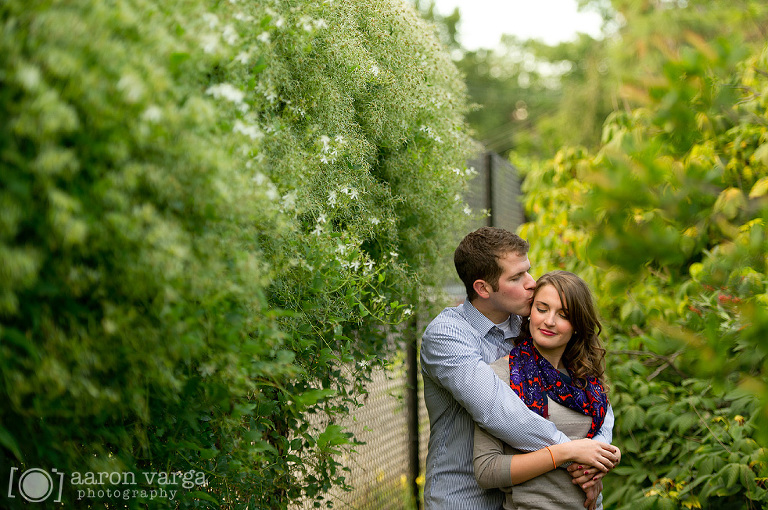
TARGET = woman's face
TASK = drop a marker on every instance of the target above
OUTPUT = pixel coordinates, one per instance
(550, 329)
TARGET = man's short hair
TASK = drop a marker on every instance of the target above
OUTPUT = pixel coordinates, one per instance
(476, 257)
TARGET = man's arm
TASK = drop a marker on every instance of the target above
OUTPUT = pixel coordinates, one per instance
(605, 434)
(451, 357)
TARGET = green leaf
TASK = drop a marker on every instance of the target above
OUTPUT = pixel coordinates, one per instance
(761, 154)
(333, 435)
(204, 496)
(311, 397)
(760, 189)
(9, 442)
(684, 422)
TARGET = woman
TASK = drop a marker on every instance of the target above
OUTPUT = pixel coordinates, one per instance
(556, 369)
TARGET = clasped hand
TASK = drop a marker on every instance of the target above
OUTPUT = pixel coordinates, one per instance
(595, 460)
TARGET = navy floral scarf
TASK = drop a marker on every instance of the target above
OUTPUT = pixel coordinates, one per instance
(534, 378)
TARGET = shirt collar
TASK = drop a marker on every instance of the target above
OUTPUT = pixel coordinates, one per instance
(483, 324)
(476, 319)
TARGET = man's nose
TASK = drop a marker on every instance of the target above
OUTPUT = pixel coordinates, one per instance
(530, 283)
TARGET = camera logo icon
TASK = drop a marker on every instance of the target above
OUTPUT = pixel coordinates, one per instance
(36, 485)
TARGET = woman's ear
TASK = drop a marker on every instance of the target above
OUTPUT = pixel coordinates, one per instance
(482, 288)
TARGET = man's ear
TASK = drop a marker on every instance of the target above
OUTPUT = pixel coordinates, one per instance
(482, 288)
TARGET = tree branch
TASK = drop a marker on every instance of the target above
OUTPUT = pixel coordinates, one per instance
(666, 361)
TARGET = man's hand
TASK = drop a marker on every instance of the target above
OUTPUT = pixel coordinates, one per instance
(592, 494)
(585, 476)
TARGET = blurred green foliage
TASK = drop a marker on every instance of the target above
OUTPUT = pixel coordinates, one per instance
(212, 217)
(667, 220)
(531, 99)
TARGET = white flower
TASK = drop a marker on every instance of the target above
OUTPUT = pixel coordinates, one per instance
(332, 198)
(243, 57)
(29, 77)
(393, 254)
(324, 159)
(152, 114)
(369, 265)
(226, 91)
(457, 171)
(339, 139)
(131, 87)
(289, 200)
(345, 190)
(375, 70)
(250, 131)
(467, 210)
(229, 35)
(341, 248)
(408, 311)
(375, 221)
(260, 178)
(280, 22)
(320, 24)
(318, 230)
(272, 192)
(353, 193)
(355, 265)
(210, 43)
(322, 218)
(263, 37)
(211, 19)
(325, 140)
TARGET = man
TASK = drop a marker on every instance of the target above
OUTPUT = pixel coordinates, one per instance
(460, 387)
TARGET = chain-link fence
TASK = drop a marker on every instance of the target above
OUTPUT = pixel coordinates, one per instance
(381, 470)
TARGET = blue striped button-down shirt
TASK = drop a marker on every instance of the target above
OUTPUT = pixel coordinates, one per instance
(460, 388)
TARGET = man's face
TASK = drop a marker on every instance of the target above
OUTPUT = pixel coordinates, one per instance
(515, 287)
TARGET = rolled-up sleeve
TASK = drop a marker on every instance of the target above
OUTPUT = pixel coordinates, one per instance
(492, 466)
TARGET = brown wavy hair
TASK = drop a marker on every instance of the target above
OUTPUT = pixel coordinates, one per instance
(584, 355)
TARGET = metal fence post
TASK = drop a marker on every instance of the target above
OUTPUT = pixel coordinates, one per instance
(412, 391)
(489, 188)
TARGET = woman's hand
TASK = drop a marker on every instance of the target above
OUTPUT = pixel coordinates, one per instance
(602, 456)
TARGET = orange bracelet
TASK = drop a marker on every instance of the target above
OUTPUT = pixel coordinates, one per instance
(553, 457)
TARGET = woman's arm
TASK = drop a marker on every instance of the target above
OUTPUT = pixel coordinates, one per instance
(495, 469)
